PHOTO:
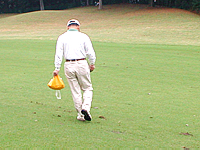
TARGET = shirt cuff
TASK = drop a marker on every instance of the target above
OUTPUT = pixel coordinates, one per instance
(57, 68)
(92, 62)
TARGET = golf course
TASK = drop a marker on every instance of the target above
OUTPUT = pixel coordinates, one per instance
(146, 82)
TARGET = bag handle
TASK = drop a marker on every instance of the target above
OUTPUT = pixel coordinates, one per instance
(58, 94)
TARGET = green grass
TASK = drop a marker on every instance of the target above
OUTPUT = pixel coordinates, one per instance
(147, 92)
(124, 77)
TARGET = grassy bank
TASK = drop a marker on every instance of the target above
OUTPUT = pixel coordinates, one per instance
(136, 24)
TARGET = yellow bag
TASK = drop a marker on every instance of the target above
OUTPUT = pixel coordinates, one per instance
(56, 83)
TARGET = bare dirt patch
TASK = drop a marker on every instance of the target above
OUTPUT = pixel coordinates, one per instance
(6, 15)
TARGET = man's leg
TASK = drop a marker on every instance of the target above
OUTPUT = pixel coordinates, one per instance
(76, 94)
(74, 85)
(86, 86)
(87, 99)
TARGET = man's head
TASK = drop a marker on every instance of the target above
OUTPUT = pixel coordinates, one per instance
(73, 24)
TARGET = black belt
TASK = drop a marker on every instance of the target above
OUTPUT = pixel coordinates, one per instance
(75, 59)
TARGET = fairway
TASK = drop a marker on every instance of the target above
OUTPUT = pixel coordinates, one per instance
(146, 81)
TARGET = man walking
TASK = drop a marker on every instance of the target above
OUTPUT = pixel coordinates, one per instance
(75, 46)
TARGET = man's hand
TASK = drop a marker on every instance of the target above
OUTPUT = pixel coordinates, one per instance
(55, 72)
(92, 67)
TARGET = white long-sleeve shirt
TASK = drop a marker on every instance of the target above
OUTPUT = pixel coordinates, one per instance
(73, 45)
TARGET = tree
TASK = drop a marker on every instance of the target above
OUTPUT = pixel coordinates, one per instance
(4, 6)
(100, 4)
(22, 6)
(196, 5)
(152, 3)
(41, 5)
(87, 3)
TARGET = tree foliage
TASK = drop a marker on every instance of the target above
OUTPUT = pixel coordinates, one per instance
(196, 5)
(21, 6)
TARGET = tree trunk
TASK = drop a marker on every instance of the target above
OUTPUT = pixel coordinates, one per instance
(88, 3)
(41, 5)
(151, 3)
(100, 4)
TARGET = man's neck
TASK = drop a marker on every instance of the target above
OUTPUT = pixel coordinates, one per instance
(72, 29)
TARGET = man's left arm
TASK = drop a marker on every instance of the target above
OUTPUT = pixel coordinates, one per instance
(90, 54)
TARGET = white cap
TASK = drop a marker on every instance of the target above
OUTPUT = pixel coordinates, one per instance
(73, 21)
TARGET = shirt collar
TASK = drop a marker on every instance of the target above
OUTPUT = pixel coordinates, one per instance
(72, 30)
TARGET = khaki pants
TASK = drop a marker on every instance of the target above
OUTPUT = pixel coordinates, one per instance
(78, 76)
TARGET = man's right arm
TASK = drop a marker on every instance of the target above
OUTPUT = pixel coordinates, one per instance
(58, 56)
